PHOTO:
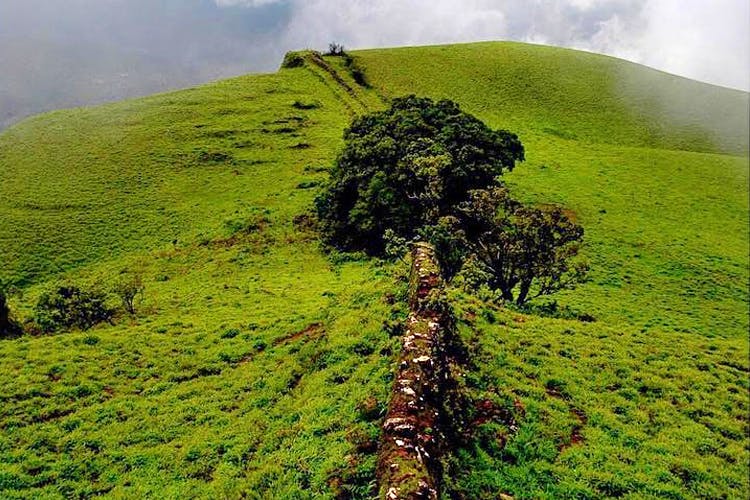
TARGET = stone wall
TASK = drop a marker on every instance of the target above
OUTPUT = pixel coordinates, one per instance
(408, 463)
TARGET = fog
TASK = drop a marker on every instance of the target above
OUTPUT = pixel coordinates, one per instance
(63, 53)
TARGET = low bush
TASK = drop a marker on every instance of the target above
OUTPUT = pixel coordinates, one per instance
(129, 288)
(292, 60)
(335, 49)
(305, 105)
(70, 306)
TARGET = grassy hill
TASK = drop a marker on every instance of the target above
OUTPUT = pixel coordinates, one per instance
(257, 364)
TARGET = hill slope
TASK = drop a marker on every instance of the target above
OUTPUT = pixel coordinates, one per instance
(573, 95)
(256, 364)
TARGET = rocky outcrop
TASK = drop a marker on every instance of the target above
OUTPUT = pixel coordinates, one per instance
(408, 463)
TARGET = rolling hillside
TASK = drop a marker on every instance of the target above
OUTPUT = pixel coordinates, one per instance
(259, 366)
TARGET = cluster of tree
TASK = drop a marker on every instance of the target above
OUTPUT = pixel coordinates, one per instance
(71, 306)
(427, 170)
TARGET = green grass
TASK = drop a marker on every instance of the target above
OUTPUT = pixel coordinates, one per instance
(89, 183)
(604, 411)
(245, 367)
(245, 364)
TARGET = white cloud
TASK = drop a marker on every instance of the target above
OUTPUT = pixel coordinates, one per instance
(699, 39)
(175, 43)
(244, 3)
(703, 40)
(367, 23)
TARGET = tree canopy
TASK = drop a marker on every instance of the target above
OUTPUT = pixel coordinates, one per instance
(405, 167)
(520, 246)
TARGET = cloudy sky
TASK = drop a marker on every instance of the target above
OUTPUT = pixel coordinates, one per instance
(60, 53)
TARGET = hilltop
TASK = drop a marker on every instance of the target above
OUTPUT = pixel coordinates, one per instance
(259, 364)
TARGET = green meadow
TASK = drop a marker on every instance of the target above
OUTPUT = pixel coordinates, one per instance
(258, 366)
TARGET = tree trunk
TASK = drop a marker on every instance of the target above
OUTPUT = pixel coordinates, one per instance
(507, 293)
(523, 293)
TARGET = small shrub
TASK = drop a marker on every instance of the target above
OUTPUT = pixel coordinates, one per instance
(394, 328)
(359, 77)
(129, 289)
(308, 184)
(90, 340)
(293, 60)
(335, 49)
(448, 239)
(9, 328)
(355, 71)
(395, 246)
(70, 306)
(230, 334)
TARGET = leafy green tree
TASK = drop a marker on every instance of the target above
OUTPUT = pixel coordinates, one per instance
(525, 251)
(405, 168)
(335, 49)
(448, 237)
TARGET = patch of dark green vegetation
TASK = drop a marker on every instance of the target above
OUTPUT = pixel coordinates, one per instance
(9, 327)
(70, 306)
(350, 63)
(305, 105)
(292, 60)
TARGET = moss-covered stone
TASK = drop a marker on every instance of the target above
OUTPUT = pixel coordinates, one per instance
(409, 453)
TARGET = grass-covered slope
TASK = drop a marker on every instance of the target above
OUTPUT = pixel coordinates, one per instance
(256, 364)
(244, 367)
(569, 94)
(82, 185)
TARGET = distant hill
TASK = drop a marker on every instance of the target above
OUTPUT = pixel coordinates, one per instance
(570, 94)
(259, 365)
